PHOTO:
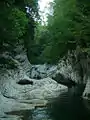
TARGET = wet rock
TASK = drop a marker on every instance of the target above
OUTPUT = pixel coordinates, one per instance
(7, 61)
(30, 92)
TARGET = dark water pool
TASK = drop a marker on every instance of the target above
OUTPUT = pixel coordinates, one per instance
(66, 107)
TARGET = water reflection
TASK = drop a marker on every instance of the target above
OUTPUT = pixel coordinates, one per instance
(66, 107)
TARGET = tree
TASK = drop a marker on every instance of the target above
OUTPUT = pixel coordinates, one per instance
(15, 20)
(69, 26)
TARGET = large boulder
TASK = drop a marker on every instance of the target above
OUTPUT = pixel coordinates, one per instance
(18, 91)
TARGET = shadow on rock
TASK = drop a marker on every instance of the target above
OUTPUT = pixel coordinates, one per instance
(25, 82)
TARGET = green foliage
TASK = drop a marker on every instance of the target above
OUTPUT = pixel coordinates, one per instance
(67, 27)
(16, 25)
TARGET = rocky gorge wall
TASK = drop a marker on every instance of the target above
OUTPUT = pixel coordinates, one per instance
(76, 67)
(18, 89)
(25, 86)
(72, 70)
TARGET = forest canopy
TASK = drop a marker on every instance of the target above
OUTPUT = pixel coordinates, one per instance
(16, 24)
(68, 25)
(66, 28)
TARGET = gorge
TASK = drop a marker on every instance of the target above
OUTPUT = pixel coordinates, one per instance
(44, 60)
(29, 86)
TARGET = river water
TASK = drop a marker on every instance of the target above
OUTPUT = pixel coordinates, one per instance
(65, 107)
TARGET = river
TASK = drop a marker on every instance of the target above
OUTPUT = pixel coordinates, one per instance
(65, 107)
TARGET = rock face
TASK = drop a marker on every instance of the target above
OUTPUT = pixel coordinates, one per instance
(74, 70)
(15, 97)
(86, 93)
(71, 71)
(18, 91)
(25, 86)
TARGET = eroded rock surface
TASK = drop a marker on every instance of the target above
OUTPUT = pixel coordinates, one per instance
(86, 93)
(15, 97)
(38, 87)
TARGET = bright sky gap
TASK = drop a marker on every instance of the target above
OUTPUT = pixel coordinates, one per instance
(44, 9)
